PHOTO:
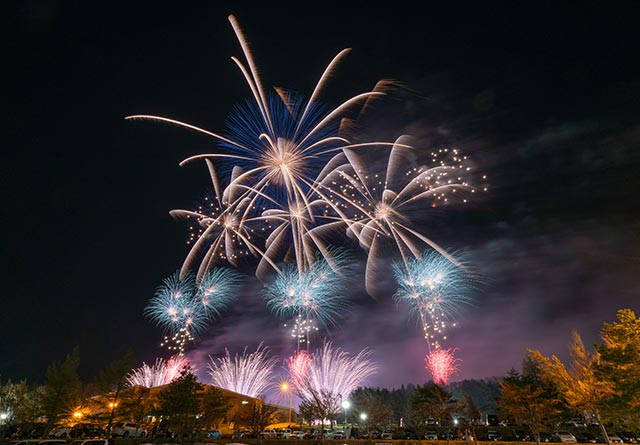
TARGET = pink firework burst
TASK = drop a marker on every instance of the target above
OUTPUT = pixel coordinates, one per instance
(160, 374)
(441, 364)
(298, 364)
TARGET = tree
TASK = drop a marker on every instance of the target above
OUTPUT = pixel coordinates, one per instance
(62, 389)
(179, 401)
(620, 365)
(20, 406)
(319, 404)
(255, 415)
(433, 401)
(470, 413)
(580, 387)
(110, 383)
(213, 407)
(527, 401)
(375, 403)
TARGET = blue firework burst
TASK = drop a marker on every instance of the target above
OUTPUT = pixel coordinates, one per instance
(187, 305)
(435, 289)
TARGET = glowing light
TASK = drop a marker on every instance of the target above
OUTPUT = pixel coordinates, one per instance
(248, 374)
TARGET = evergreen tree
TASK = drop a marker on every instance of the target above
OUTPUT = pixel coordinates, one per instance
(620, 366)
(62, 389)
(179, 401)
(525, 400)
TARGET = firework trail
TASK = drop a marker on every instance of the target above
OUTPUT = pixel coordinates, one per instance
(333, 371)
(183, 307)
(160, 374)
(441, 364)
(249, 374)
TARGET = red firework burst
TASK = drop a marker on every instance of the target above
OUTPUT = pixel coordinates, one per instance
(441, 364)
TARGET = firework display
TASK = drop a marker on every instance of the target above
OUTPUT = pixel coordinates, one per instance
(161, 373)
(249, 374)
(292, 183)
(295, 177)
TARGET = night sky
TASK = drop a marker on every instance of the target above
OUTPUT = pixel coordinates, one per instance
(544, 99)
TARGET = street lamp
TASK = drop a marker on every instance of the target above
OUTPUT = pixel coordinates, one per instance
(363, 417)
(284, 387)
(345, 406)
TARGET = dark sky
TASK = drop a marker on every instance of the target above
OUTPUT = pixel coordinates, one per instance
(544, 99)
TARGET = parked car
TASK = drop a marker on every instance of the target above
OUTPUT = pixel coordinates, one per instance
(338, 435)
(613, 439)
(563, 437)
(521, 436)
(431, 435)
(95, 442)
(629, 437)
(62, 432)
(586, 437)
(128, 429)
(387, 434)
(214, 434)
(269, 433)
(494, 435)
(297, 434)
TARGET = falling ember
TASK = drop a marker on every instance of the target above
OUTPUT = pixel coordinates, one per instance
(441, 364)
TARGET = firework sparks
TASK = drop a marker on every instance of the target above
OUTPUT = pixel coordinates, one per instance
(435, 289)
(249, 374)
(184, 308)
(309, 296)
(441, 364)
(292, 177)
(160, 374)
(334, 371)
